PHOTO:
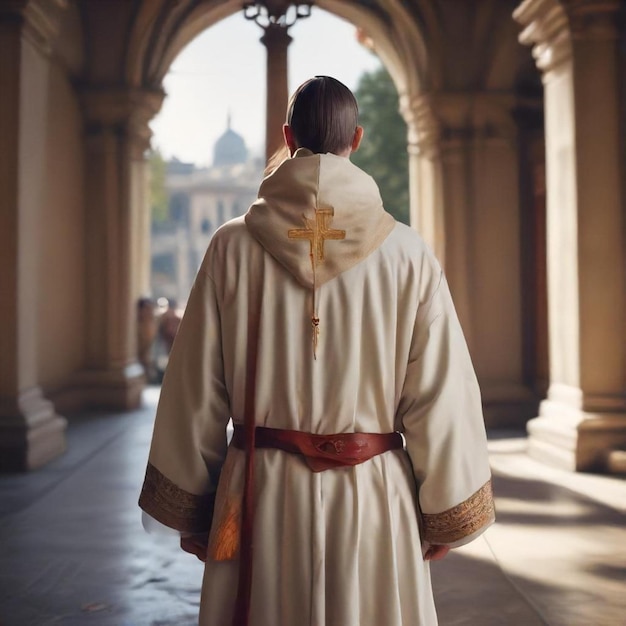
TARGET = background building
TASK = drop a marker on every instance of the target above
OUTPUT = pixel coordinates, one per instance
(200, 200)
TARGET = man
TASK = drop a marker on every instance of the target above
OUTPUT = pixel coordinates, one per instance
(323, 328)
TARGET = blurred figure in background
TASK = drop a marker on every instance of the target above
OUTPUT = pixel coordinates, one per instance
(167, 328)
(146, 334)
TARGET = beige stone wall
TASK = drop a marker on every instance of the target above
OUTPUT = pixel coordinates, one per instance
(61, 281)
(51, 219)
(495, 289)
(31, 164)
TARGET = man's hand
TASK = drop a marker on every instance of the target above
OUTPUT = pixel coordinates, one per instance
(436, 553)
(196, 544)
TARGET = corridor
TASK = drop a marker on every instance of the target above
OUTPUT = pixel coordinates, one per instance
(73, 551)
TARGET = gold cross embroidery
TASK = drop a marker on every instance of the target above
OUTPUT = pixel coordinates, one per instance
(317, 231)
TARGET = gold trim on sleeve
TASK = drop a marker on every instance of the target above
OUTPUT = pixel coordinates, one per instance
(173, 506)
(461, 520)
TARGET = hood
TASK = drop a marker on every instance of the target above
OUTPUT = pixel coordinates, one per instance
(318, 215)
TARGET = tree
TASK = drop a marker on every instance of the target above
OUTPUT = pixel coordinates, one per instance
(383, 152)
(158, 194)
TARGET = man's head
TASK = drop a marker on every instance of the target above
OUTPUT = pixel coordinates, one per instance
(323, 117)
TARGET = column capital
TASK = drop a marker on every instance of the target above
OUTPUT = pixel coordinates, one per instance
(442, 120)
(40, 19)
(551, 26)
(423, 127)
(546, 28)
(276, 35)
(593, 19)
(124, 110)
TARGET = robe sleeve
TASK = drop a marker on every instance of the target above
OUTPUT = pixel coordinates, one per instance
(189, 439)
(441, 413)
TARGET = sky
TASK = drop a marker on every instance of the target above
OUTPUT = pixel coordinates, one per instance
(222, 71)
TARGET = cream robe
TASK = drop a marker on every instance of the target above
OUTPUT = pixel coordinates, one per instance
(342, 547)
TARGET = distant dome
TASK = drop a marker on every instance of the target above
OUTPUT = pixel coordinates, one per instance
(230, 148)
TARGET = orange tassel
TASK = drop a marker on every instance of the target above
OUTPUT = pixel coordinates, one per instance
(226, 544)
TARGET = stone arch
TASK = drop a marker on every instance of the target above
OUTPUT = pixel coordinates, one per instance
(458, 95)
(160, 32)
(397, 31)
(128, 49)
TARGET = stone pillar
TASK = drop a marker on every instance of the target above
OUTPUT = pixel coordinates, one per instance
(117, 136)
(31, 433)
(425, 190)
(464, 168)
(576, 47)
(142, 226)
(276, 39)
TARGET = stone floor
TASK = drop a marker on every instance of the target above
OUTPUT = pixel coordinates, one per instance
(72, 549)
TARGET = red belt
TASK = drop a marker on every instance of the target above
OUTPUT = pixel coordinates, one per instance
(320, 452)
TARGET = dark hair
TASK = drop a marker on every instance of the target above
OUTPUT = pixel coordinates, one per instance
(323, 115)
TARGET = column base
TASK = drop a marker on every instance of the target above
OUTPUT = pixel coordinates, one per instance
(31, 433)
(112, 389)
(576, 440)
(508, 405)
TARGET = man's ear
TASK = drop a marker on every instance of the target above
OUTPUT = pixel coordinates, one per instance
(358, 136)
(290, 140)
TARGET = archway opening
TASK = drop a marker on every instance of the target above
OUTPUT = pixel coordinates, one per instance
(209, 135)
(208, 160)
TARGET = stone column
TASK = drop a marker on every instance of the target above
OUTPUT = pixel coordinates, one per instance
(117, 136)
(142, 218)
(464, 168)
(276, 39)
(583, 419)
(532, 190)
(425, 191)
(31, 433)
